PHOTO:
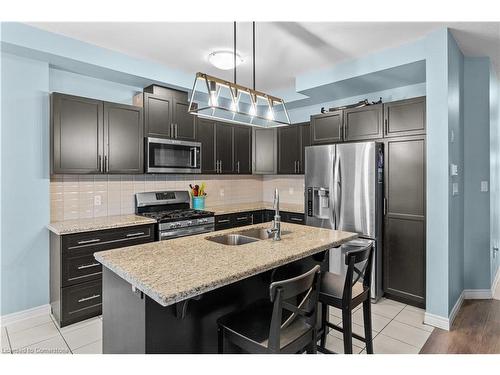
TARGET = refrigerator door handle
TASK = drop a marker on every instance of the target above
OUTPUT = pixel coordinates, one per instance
(337, 191)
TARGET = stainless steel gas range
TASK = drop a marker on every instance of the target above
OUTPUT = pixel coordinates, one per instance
(172, 212)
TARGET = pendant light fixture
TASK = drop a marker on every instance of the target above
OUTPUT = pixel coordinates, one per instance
(219, 99)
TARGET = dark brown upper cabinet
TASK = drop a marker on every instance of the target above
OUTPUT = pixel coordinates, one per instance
(289, 151)
(404, 117)
(166, 114)
(363, 123)
(123, 139)
(306, 141)
(91, 136)
(76, 134)
(242, 141)
(327, 127)
(223, 148)
(206, 136)
(292, 141)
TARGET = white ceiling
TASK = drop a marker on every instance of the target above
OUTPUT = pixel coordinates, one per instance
(284, 50)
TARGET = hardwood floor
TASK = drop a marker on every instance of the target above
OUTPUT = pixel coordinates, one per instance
(476, 330)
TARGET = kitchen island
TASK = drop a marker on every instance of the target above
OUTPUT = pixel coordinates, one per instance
(165, 297)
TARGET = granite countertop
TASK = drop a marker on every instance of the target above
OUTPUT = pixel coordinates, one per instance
(254, 206)
(178, 269)
(97, 223)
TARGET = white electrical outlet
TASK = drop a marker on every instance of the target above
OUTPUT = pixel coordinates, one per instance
(453, 169)
(454, 188)
(290, 190)
(221, 192)
(484, 186)
(97, 200)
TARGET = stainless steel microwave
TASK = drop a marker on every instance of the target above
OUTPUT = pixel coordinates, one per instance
(165, 155)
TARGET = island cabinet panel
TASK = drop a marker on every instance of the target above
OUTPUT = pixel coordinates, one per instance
(76, 134)
(363, 123)
(405, 117)
(327, 128)
(123, 135)
(206, 136)
(76, 276)
(135, 323)
(242, 149)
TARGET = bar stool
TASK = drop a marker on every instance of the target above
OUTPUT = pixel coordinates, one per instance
(345, 293)
(280, 324)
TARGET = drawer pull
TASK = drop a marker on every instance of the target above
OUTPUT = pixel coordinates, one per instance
(135, 234)
(242, 218)
(84, 242)
(88, 266)
(89, 298)
(296, 219)
(223, 221)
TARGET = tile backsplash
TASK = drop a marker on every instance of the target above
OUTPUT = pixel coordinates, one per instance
(87, 196)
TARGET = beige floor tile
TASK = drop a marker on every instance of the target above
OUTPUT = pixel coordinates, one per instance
(357, 329)
(413, 318)
(338, 313)
(84, 335)
(378, 321)
(5, 342)
(336, 345)
(32, 335)
(335, 320)
(386, 345)
(78, 325)
(413, 308)
(92, 348)
(387, 308)
(406, 333)
(29, 323)
(55, 345)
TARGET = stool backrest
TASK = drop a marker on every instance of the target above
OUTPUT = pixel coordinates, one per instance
(305, 288)
(356, 271)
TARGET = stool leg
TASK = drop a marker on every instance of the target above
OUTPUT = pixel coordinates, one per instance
(367, 319)
(324, 328)
(220, 340)
(347, 330)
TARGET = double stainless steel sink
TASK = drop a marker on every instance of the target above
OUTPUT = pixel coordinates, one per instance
(244, 236)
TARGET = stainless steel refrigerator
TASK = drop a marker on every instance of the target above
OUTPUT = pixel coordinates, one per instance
(344, 191)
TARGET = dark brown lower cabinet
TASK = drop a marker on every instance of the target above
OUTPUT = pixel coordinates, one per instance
(239, 219)
(75, 275)
(404, 232)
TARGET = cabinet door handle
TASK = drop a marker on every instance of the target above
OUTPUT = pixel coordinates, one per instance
(88, 266)
(220, 163)
(172, 131)
(296, 219)
(89, 298)
(385, 126)
(223, 221)
(135, 234)
(84, 242)
(176, 130)
(242, 218)
(385, 206)
(238, 166)
(99, 163)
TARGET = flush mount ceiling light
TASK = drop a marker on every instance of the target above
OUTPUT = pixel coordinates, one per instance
(224, 60)
(219, 99)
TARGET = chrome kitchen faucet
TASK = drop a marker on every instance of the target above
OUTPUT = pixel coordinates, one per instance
(276, 229)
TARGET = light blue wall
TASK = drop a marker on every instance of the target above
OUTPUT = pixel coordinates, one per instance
(477, 169)
(456, 156)
(25, 183)
(81, 85)
(494, 171)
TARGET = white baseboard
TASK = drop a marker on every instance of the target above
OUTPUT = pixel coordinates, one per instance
(444, 323)
(477, 294)
(437, 321)
(25, 314)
